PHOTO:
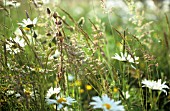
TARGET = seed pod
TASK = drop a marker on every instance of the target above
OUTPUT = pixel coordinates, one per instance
(59, 34)
(59, 23)
(55, 15)
(48, 11)
(48, 34)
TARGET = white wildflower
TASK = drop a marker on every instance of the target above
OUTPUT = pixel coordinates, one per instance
(13, 3)
(126, 94)
(60, 101)
(126, 57)
(106, 104)
(28, 22)
(155, 85)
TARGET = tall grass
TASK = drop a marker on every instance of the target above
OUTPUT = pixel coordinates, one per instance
(77, 53)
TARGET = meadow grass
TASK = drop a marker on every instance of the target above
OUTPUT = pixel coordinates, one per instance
(83, 56)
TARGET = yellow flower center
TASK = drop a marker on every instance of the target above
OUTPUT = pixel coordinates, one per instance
(88, 87)
(27, 92)
(108, 106)
(81, 91)
(78, 83)
(61, 100)
(27, 29)
(115, 89)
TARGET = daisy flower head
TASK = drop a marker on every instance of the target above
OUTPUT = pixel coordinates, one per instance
(106, 104)
(15, 45)
(126, 94)
(61, 101)
(155, 85)
(126, 58)
(28, 23)
(52, 93)
(13, 3)
(64, 101)
(10, 92)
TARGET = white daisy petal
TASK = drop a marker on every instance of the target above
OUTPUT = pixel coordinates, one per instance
(51, 101)
(35, 21)
(27, 22)
(59, 106)
(52, 91)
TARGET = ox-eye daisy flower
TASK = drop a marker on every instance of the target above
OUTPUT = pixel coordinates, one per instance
(52, 92)
(53, 98)
(106, 104)
(28, 23)
(14, 45)
(14, 3)
(155, 85)
(60, 101)
(126, 58)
